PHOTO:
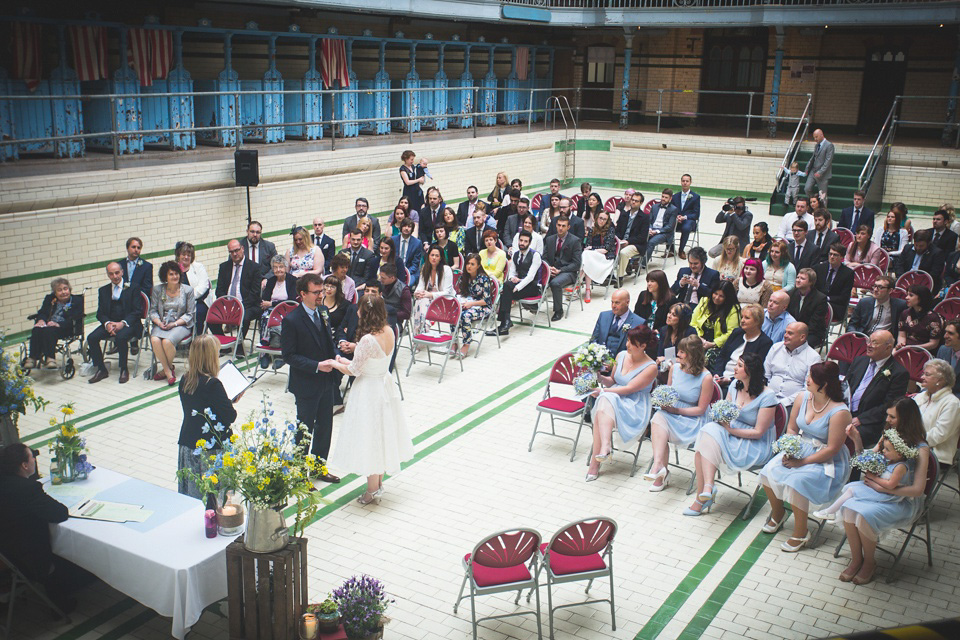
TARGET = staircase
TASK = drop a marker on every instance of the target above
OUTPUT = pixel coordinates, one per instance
(845, 180)
(569, 144)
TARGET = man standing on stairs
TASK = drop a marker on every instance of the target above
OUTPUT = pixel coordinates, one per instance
(820, 166)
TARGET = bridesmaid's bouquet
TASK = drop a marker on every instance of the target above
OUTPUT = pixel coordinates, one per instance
(664, 396)
(789, 445)
(870, 462)
(592, 356)
(585, 383)
(724, 411)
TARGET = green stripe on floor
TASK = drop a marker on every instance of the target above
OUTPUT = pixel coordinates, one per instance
(97, 620)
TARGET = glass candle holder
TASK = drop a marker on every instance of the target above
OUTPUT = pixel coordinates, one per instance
(309, 627)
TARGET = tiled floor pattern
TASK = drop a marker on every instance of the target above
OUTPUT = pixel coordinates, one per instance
(675, 577)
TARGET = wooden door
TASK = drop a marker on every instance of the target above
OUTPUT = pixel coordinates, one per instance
(735, 61)
(597, 103)
(884, 76)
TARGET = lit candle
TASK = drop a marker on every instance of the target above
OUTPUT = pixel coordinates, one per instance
(309, 626)
(228, 510)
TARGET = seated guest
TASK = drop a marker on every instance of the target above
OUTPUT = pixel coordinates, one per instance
(760, 247)
(940, 408)
(745, 443)
(943, 238)
(687, 203)
(803, 252)
(454, 232)
(809, 306)
(436, 279)
(922, 255)
(819, 474)
(562, 254)
(475, 292)
(171, 313)
(787, 363)
(881, 311)
(280, 287)
(873, 379)
(431, 215)
(589, 208)
(747, 338)
(863, 250)
(835, 280)
(468, 207)
(776, 317)
(409, 250)
(549, 213)
(778, 269)
(600, 250)
(522, 279)
(680, 423)
(28, 511)
(338, 269)
(663, 223)
(238, 277)
(674, 330)
(654, 303)
(751, 286)
(473, 235)
(327, 245)
(362, 262)
(448, 249)
(341, 312)
(492, 257)
(822, 235)
(515, 222)
(575, 226)
(950, 351)
(545, 198)
(387, 250)
(612, 326)
(625, 202)
(368, 238)
(858, 215)
(891, 236)
(397, 217)
(200, 390)
(195, 275)
(505, 212)
(695, 281)
(396, 296)
(920, 325)
(257, 250)
(716, 316)
(633, 229)
(137, 272)
(352, 223)
(623, 399)
(501, 191)
(528, 223)
(951, 272)
(120, 314)
(60, 315)
(586, 190)
(729, 264)
(303, 256)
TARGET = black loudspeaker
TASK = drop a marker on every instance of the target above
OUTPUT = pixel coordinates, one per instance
(246, 167)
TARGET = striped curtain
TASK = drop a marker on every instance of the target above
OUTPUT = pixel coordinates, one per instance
(523, 60)
(26, 53)
(151, 51)
(333, 63)
(89, 52)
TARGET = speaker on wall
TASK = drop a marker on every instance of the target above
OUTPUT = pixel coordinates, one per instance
(246, 167)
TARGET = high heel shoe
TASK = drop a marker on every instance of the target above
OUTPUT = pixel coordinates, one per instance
(603, 457)
(772, 526)
(650, 477)
(708, 495)
(368, 497)
(793, 548)
(705, 506)
(664, 476)
(592, 476)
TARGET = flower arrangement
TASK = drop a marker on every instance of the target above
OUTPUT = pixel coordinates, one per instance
(585, 383)
(724, 411)
(361, 602)
(870, 462)
(261, 461)
(16, 387)
(69, 446)
(789, 445)
(664, 396)
(901, 447)
(592, 356)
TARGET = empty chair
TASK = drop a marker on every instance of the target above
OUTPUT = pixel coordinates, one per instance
(845, 236)
(275, 319)
(226, 311)
(949, 308)
(444, 310)
(847, 347)
(913, 360)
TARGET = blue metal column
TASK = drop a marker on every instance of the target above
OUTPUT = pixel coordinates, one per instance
(775, 89)
(381, 98)
(950, 134)
(220, 110)
(488, 100)
(306, 107)
(347, 102)
(549, 80)
(625, 88)
(462, 99)
(407, 103)
(7, 151)
(67, 115)
(511, 85)
(272, 102)
(181, 107)
(124, 113)
(440, 81)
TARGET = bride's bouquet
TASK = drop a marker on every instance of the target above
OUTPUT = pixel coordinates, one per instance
(664, 396)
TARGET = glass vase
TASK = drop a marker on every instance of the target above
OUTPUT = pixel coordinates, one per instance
(68, 466)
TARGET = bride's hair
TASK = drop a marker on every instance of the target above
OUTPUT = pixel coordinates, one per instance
(372, 315)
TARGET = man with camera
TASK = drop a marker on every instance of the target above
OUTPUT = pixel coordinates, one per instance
(738, 220)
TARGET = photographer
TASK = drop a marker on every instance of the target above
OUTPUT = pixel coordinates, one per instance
(738, 219)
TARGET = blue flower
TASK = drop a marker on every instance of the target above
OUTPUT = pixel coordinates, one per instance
(209, 413)
(208, 445)
(205, 428)
(194, 412)
(219, 427)
(198, 452)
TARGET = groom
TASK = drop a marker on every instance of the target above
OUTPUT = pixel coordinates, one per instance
(307, 346)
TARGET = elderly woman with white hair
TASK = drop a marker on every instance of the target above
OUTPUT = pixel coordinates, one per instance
(940, 409)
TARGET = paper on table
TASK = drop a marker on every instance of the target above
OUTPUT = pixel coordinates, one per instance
(110, 511)
(70, 495)
(233, 380)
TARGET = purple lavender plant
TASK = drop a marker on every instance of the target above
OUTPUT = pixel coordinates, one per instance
(361, 602)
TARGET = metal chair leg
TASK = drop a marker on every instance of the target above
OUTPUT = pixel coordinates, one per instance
(576, 439)
(536, 425)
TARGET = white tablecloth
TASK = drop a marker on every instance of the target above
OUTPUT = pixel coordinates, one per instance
(166, 563)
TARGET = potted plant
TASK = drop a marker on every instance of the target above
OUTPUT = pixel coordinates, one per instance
(16, 394)
(327, 614)
(362, 603)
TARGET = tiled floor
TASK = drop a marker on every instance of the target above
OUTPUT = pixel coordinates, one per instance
(675, 577)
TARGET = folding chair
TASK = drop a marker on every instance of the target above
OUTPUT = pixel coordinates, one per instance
(953, 291)
(819, 524)
(664, 250)
(884, 263)
(923, 517)
(144, 338)
(17, 579)
(275, 319)
(489, 323)
(581, 550)
(573, 292)
(558, 408)
(945, 471)
(949, 308)
(396, 348)
(779, 426)
(227, 311)
(504, 561)
(610, 206)
(575, 202)
(913, 360)
(917, 276)
(897, 292)
(611, 280)
(442, 310)
(537, 302)
(714, 397)
(536, 204)
(847, 347)
(845, 236)
(863, 278)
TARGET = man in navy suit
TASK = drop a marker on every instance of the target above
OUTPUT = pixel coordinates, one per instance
(611, 328)
(306, 342)
(874, 379)
(802, 250)
(950, 351)
(562, 252)
(363, 263)
(137, 272)
(240, 278)
(663, 222)
(545, 198)
(431, 216)
(687, 203)
(695, 281)
(943, 238)
(410, 250)
(120, 314)
(879, 312)
(922, 255)
(853, 217)
(466, 208)
(633, 228)
(328, 246)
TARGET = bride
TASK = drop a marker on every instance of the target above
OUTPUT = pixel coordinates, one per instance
(373, 438)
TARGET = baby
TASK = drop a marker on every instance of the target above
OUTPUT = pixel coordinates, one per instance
(792, 180)
(426, 172)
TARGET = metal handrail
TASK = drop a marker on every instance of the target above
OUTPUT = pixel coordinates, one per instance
(566, 128)
(873, 158)
(791, 153)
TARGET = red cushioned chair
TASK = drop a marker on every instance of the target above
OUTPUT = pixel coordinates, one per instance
(610, 206)
(579, 551)
(847, 347)
(884, 263)
(443, 310)
(949, 308)
(863, 278)
(536, 203)
(916, 276)
(504, 561)
(559, 408)
(227, 311)
(575, 202)
(913, 360)
(845, 236)
(489, 322)
(275, 319)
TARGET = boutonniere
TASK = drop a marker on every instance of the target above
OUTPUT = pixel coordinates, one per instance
(139, 262)
(126, 285)
(324, 315)
(67, 306)
(886, 373)
(626, 327)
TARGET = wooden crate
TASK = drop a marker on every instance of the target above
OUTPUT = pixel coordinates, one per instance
(266, 592)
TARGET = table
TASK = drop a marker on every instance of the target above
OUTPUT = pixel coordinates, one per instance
(166, 562)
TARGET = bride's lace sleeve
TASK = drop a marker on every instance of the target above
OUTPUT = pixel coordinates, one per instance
(367, 348)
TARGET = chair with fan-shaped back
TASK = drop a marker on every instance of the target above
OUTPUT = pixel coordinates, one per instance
(949, 308)
(915, 277)
(884, 262)
(226, 311)
(715, 396)
(478, 330)
(610, 206)
(845, 236)
(560, 408)
(443, 310)
(864, 276)
(575, 202)
(537, 203)
(954, 290)
(647, 207)
(847, 347)
(537, 303)
(898, 293)
(275, 319)
(913, 360)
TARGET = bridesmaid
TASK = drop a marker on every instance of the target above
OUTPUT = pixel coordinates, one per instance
(625, 403)
(818, 476)
(680, 423)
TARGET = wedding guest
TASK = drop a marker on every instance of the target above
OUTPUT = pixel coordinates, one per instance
(449, 250)
(751, 285)
(809, 306)
(776, 317)
(818, 475)
(695, 281)
(881, 311)
(468, 207)
(436, 279)
(257, 250)
(473, 235)
(787, 363)
(280, 287)
(172, 308)
(499, 195)
(475, 289)
(729, 264)
(200, 390)
(601, 245)
(338, 269)
(779, 271)
(676, 328)
(396, 220)
(387, 251)
(368, 238)
(239, 278)
(891, 236)
(549, 213)
(873, 379)
(950, 351)
(680, 423)
(562, 255)
(195, 275)
(341, 314)
(612, 326)
(528, 223)
(120, 318)
(717, 315)
(863, 250)
(654, 303)
(326, 244)
(835, 280)
(413, 177)
(589, 208)
(60, 315)
(623, 399)
(746, 442)
(939, 408)
(452, 225)
(410, 251)
(304, 256)
(522, 279)
(137, 272)
(361, 262)
(396, 295)
(919, 324)
(760, 247)
(747, 338)
(492, 257)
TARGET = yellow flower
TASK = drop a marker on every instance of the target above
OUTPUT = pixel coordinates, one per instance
(227, 460)
(65, 431)
(53, 422)
(67, 411)
(213, 479)
(247, 458)
(201, 443)
(252, 470)
(212, 458)
(234, 438)
(247, 426)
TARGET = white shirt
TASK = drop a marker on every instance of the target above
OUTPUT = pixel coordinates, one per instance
(531, 274)
(941, 419)
(735, 355)
(786, 225)
(787, 370)
(886, 317)
(536, 243)
(658, 222)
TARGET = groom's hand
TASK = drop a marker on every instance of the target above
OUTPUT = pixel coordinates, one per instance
(325, 366)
